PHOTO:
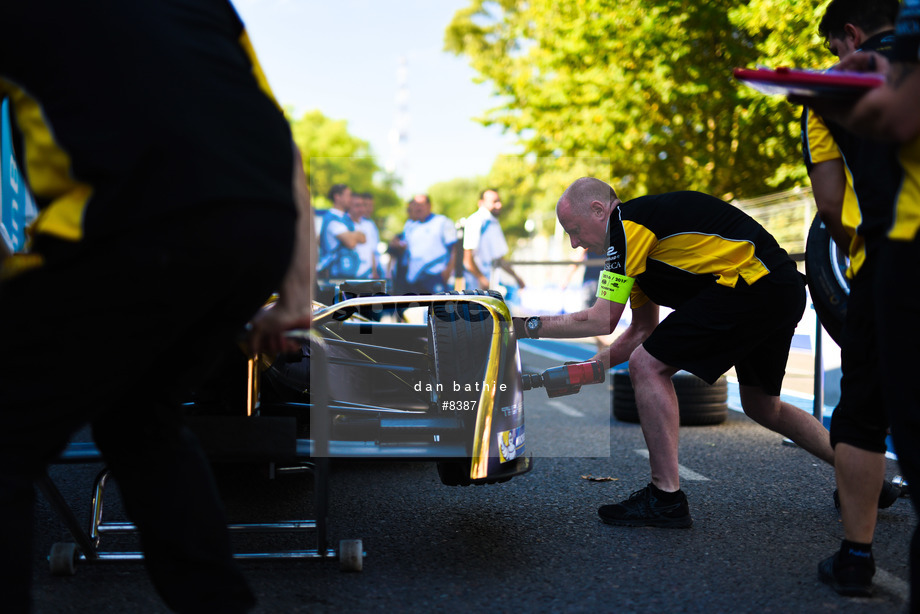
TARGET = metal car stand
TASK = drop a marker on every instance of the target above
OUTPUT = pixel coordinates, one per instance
(309, 455)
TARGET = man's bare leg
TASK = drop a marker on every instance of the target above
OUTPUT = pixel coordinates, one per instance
(860, 474)
(787, 420)
(659, 416)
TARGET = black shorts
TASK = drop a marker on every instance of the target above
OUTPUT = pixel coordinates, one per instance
(748, 327)
(860, 418)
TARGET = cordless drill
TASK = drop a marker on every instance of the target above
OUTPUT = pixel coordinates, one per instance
(566, 379)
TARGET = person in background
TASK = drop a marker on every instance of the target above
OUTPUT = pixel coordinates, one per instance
(369, 214)
(172, 205)
(338, 237)
(484, 244)
(429, 240)
(360, 213)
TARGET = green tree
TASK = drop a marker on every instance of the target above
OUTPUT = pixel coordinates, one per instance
(456, 198)
(645, 83)
(531, 186)
(787, 30)
(331, 155)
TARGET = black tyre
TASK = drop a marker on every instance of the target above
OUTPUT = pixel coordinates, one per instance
(461, 335)
(825, 268)
(700, 403)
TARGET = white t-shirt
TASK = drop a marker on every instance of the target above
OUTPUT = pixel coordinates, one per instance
(484, 236)
(367, 251)
(429, 243)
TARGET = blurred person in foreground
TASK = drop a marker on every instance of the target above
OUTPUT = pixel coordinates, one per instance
(172, 205)
(737, 298)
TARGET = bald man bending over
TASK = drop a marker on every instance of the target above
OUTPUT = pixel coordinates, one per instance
(737, 298)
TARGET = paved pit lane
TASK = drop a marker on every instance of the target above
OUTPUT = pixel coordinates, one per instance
(763, 520)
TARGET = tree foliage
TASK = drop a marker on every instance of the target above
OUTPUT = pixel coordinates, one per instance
(529, 187)
(646, 84)
(456, 198)
(331, 155)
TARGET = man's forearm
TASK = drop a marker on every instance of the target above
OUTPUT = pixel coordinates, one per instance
(469, 263)
(505, 265)
(889, 112)
(622, 347)
(451, 264)
(599, 319)
(351, 239)
(294, 307)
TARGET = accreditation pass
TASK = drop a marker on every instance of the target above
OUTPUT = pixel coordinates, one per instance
(614, 287)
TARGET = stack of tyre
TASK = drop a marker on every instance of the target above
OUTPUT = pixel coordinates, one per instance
(700, 403)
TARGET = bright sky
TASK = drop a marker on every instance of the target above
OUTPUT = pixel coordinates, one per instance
(343, 57)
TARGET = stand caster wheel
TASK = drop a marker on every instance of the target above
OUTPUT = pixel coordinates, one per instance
(63, 559)
(351, 555)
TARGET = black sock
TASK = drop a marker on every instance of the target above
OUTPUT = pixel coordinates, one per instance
(855, 553)
(663, 495)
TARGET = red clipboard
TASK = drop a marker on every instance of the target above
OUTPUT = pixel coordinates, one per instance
(809, 83)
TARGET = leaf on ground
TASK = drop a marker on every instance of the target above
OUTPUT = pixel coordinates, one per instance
(591, 478)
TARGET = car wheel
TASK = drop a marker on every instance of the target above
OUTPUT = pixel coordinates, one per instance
(461, 336)
(825, 269)
(700, 403)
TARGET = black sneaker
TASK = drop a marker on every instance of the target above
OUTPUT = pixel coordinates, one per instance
(644, 509)
(890, 493)
(854, 580)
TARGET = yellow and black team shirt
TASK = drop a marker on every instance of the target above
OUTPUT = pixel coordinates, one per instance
(906, 220)
(678, 243)
(873, 174)
(128, 112)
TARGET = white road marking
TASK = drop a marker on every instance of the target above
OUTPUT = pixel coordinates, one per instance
(568, 411)
(683, 472)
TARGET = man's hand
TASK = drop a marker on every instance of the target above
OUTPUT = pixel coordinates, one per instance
(864, 61)
(836, 109)
(267, 328)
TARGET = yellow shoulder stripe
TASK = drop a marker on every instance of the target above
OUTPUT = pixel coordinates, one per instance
(246, 44)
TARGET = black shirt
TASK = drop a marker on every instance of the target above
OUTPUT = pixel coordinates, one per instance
(677, 243)
(131, 110)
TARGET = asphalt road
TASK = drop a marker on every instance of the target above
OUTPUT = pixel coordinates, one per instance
(763, 518)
